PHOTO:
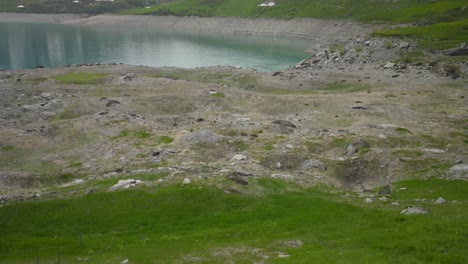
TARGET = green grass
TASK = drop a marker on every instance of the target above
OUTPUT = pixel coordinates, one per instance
(7, 148)
(165, 140)
(80, 78)
(402, 130)
(174, 224)
(140, 134)
(437, 36)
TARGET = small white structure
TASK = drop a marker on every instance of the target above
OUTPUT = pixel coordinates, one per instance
(20, 6)
(270, 4)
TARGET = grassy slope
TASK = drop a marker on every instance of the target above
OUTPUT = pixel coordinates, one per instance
(176, 223)
(440, 35)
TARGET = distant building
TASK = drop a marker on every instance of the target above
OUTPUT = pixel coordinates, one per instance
(267, 4)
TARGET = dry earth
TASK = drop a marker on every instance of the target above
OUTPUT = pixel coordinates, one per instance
(352, 117)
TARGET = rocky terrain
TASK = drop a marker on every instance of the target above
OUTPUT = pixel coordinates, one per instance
(359, 114)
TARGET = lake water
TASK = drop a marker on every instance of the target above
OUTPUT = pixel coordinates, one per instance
(26, 45)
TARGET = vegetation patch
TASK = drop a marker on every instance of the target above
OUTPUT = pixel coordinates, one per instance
(80, 78)
(165, 140)
(176, 223)
(7, 148)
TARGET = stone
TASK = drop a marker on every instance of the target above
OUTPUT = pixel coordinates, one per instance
(404, 45)
(350, 149)
(243, 173)
(239, 180)
(459, 171)
(435, 151)
(202, 136)
(186, 181)
(125, 184)
(440, 200)
(456, 52)
(239, 157)
(124, 261)
(281, 176)
(294, 243)
(129, 77)
(414, 210)
(361, 144)
(367, 43)
(389, 65)
(112, 102)
(46, 95)
(74, 182)
(284, 123)
(383, 199)
(368, 200)
(313, 164)
(395, 203)
(385, 190)
(289, 146)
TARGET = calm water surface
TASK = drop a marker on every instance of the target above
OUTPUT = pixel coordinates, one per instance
(24, 45)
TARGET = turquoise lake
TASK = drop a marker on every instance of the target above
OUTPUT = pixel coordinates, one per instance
(27, 45)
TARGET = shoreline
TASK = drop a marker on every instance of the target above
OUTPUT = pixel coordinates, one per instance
(320, 30)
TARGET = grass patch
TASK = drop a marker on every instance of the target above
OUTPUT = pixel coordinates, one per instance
(437, 36)
(7, 148)
(402, 130)
(217, 94)
(80, 78)
(176, 223)
(140, 134)
(413, 57)
(165, 140)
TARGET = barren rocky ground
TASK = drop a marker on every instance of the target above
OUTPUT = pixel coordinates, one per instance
(357, 115)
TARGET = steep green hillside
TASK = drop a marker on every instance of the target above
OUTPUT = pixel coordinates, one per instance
(364, 10)
(439, 24)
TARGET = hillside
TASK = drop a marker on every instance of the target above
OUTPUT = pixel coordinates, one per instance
(436, 24)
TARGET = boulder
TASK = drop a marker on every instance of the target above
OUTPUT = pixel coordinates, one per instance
(385, 190)
(112, 102)
(239, 157)
(313, 164)
(284, 123)
(440, 200)
(404, 45)
(202, 136)
(186, 181)
(459, 171)
(239, 180)
(125, 184)
(460, 51)
(414, 210)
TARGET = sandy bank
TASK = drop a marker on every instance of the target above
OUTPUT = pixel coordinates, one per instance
(38, 18)
(299, 27)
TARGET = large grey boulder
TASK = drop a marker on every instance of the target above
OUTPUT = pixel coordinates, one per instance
(414, 210)
(202, 136)
(313, 164)
(459, 171)
(460, 51)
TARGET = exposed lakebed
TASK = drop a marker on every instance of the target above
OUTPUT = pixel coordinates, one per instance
(26, 45)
